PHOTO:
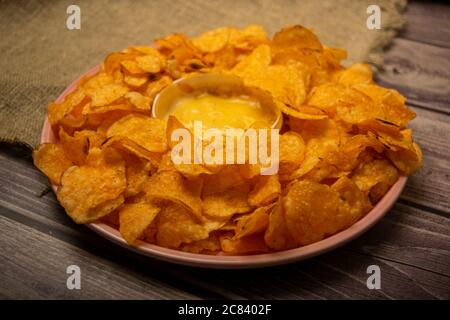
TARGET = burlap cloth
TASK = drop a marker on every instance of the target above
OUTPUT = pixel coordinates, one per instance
(40, 56)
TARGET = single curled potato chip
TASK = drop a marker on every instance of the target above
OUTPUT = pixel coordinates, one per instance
(248, 38)
(311, 211)
(107, 94)
(176, 226)
(286, 83)
(353, 202)
(129, 146)
(266, 190)
(57, 111)
(227, 177)
(210, 245)
(292, 152)
(137, 172)
(139, 101)
(253, 223)
(170, 185)
(227, 203)
(296, 36)
(277, 236)
(213, 40)
(356, 74)
(132, 67)
(52, 161)
(135, 218)
(136, 81)
(257, 60)
(246, 245)
(377, 175)
(76, 148)
(97, 183)
(152, 63)
(148, 133)
(392, 104)
(406, 160)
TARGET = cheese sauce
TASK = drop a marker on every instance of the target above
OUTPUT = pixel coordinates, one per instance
(220, 112)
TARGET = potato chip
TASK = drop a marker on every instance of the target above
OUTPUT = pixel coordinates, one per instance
(112, 219)
(296, 36)
(250, 244)
(114, 60)
(136, 81)
(266, 190)
(253, 223)
(153, 88)
(377, 173)
(105, 208)
(346, 157)
(392, 103)
(135, 218)
(353, 202)
(287, 83)
(356, 74)
(248, 38)
(277, 236)
(350, 105)
(139, 101)
(258, 59)
(152, 63)
(406, 160)
(170, 185)
(213, 40)
(176, 226)
(52, 161)
(132, 67)
(292, 152)
(107, 94)
(225, 204)
(97, 183)
(76, 148)
(137, 172)
(308, 217)
(322, 139)
(209, 245)
(57, 111)
(149, 133)
(228, 177)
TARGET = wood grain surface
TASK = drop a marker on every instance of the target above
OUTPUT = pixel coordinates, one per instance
(411, 244)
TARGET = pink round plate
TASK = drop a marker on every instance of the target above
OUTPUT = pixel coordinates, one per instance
(244, 261)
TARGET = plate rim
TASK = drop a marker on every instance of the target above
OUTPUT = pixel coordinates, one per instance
(236, 261)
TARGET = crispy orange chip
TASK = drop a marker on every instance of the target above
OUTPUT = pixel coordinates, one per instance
(176, 226)
(266, 190)
(170, 185)
(52, 161)
(149, 133)
(225, 204)
(135, 218)
(100, 182)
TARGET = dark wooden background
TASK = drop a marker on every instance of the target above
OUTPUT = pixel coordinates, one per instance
(411, 244)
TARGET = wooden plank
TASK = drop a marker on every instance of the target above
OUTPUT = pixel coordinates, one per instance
(34, 267)
(428, 23)
(419, 71)
(410, 236)
(430, 187)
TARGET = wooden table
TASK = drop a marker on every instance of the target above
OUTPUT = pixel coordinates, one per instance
(411, 244)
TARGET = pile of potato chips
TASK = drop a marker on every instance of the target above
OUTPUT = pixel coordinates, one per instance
(343, 144)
